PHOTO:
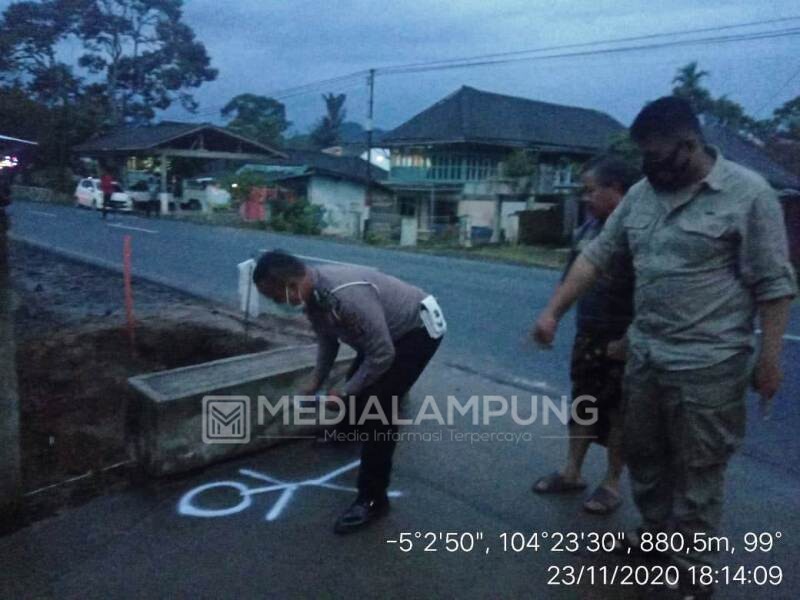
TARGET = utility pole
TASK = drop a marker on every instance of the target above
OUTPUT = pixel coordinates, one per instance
(10, 482)
(371, 84)
(10, 453)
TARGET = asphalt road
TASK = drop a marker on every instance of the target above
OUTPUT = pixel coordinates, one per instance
(136, 545)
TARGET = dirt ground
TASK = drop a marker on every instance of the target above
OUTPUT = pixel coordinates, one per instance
(75, 355)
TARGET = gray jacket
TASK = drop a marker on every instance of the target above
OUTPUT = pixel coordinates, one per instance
(365, 309)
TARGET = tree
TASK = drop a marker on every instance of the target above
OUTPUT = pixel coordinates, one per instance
(30, 33)
(786, 118)
(688, 85)
(327, 131)
(622, 146)
(148, 56)
(725, 111)
(721, 110)
(520, 163)
(257, 117)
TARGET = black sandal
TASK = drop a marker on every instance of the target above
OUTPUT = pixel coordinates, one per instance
(556, 484)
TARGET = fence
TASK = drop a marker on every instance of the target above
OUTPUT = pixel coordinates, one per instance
(39, 194)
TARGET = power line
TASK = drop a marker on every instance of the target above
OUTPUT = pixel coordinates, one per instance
(589, 44)
(521, 55)
(602, 51)
(301, 90)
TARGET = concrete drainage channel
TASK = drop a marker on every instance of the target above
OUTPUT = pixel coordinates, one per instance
(194, 416)
(84, 429)
(174, 417)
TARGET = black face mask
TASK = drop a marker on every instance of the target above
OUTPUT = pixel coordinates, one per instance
(666, 174)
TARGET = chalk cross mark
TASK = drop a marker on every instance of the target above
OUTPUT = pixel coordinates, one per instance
(187, 506)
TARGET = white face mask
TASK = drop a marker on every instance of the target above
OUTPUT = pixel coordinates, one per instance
(289, 308)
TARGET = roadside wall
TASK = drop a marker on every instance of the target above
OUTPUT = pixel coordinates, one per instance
(39, 194)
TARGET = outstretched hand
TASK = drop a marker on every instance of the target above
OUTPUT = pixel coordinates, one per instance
(544, 330)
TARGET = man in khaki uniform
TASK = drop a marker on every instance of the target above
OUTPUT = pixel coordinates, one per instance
(709, 250)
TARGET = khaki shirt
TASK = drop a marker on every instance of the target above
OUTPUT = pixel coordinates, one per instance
(369, 316)
(703, 259)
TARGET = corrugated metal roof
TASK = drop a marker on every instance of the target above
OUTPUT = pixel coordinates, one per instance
(150, 137)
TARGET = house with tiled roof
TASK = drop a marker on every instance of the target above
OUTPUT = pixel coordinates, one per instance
(752, 155)
(336, 183)
(449, 162)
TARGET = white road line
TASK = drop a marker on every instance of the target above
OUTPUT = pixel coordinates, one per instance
(119, 226)
(44, 214)
(326, 260)
(788, 336)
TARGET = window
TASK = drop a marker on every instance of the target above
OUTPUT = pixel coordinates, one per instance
(455, 167)
(563, 174)
(446, 167)
(407, 207)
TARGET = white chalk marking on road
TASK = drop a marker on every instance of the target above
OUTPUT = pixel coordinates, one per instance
(142, 229)
(327, 260)
(541, 385)
(288, 490)
(44, 214)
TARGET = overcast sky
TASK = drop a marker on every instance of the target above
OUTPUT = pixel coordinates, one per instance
(263, 46)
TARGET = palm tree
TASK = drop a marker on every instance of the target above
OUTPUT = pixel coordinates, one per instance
(688, 84)
(326, 132)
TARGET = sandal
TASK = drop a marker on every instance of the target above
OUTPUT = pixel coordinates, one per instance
(602, 501)
(556, 484)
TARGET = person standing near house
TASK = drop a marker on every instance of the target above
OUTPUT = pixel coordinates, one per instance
(709, 250)
(395, 329)
(603, 316)
(107, 189)
(152, 204)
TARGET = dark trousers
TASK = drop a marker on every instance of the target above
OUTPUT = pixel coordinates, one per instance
(106, 204)
(412, 353)
(150, 207)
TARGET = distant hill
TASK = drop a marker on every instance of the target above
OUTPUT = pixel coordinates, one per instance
(351, 133)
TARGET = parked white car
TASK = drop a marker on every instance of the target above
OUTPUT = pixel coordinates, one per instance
(204, 192)
(139, 193)
(89, 194)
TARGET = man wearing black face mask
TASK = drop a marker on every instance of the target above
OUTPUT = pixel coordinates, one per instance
(709, 251)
